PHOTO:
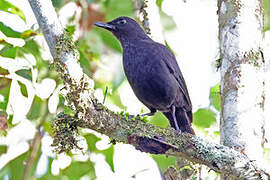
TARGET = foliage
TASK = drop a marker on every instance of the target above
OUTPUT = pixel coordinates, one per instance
(26, 74)
(266, 4)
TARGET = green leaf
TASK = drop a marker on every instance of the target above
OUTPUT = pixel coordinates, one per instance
(203, 118)
(115, 97)
(28, 33)
(167, 21)
(91, 140)
(58, 3)
(3, 113)
(90, 1)
(3, 41)
(15, 169)
(3, 149)
(4, 172)
(70, 30)
(4, 91)
(49, 174)
(85, 63)
(267, 154)
(26, 73)
(163, 161)
(92, 44)
(266, 5)
(10, 8)
(67, 110)
(36, 159)
(159, 3)
(32, 47)
(110, 40)
(116, 8)
(215, 96)
(109, 153)
(10, 118)
(3, 71)
(37, 108)
(9, 51)
(23, 89)
(9, 32)
(78, 169)
(160, 120)
(168, 46)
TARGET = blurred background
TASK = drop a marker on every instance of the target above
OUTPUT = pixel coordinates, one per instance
(30, 87)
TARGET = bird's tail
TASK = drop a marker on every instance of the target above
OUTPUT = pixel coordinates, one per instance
(183, 119)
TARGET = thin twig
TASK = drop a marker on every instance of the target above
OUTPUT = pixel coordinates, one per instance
(34, 147)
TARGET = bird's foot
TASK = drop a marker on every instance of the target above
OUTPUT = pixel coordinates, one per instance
(146, 114)
(142, 115)
(179, 132)
(151, 113)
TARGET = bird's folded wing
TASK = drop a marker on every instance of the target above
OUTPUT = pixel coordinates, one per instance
(170, 61)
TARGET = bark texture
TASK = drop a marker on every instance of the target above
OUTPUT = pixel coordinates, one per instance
(148, 13)
(242, 76)
(143, 136)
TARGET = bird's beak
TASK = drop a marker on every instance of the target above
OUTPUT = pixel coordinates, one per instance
(105, 26)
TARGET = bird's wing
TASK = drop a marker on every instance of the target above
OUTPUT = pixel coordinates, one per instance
(170, 61)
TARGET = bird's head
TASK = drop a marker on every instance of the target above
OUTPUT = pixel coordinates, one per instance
(124, 28)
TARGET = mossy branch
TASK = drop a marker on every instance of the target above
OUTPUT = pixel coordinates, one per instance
(145, 137)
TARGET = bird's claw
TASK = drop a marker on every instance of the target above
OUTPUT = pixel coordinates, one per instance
(179, 132)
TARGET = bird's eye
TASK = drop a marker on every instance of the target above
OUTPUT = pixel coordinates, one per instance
(122, 22)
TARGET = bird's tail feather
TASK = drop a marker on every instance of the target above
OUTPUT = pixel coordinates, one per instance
(183, 118)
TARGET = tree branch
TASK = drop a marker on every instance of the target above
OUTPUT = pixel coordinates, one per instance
(143, 136)
(34, 147)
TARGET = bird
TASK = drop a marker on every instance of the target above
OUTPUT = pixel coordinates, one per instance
(153, 73)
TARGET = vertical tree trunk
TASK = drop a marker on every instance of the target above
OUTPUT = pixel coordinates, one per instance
(148, 13)
(266, 55)
(242, 80)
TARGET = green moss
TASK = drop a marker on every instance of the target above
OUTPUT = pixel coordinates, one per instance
(218, 63)
(65, 130)
(254, 57)
(237, 5)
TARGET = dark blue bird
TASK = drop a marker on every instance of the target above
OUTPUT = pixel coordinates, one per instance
(153, 73)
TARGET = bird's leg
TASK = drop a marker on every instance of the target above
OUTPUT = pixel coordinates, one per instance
(174, 119)
(151, 113)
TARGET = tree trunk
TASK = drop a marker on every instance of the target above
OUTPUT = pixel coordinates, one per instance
(242, 76)
(148, 13)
